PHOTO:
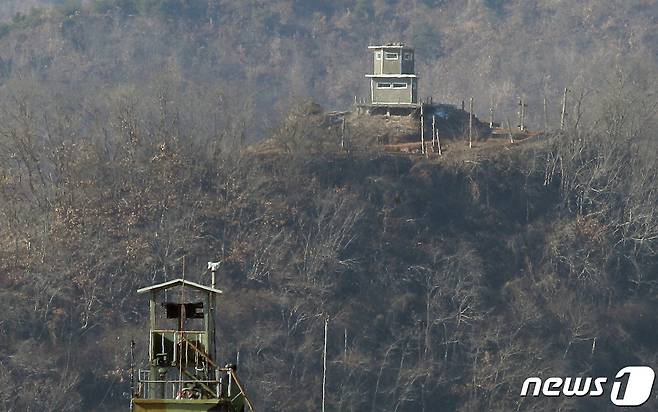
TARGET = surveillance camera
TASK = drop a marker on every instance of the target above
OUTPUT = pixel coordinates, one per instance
(213, 266)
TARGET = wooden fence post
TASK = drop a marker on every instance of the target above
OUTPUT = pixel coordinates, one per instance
(433, 132)
(545, 117)
(470, 123)
(564, 109)
(422, 130)
(491, 112)
(342, 134)
(324, 361)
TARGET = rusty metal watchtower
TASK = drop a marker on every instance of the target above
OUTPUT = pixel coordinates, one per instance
(183, 373)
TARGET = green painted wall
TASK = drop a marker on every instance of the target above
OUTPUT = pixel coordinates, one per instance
(382, 65)
(394, 95)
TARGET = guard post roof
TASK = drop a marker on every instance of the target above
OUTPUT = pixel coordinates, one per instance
(390, 46)
(179, 282)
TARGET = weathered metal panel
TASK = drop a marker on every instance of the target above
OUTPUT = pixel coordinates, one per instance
(377, 57)
(414, 90)
(181, 405)
(392, 66)
(392, 94)
(407, 61)
(393, 60)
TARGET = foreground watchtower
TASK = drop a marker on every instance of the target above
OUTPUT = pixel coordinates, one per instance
(183, 373)
(393, 82)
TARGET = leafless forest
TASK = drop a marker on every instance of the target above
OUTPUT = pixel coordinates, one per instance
(124, 135)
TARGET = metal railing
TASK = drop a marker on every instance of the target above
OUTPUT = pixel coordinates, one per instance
(169, 388)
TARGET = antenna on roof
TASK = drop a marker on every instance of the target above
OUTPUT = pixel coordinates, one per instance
(213, 267)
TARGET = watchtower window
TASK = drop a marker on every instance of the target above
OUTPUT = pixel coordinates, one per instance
(188, 310)
(378, 55)
(381, 85)
(391, 56)
(407, 56)
(399, 85)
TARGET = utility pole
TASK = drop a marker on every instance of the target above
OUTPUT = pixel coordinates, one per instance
(491, 113)
(509, 131)
(422, 130)
(433, 132)
(470, 123)
(213, 267)
(564, 109)
(345, 349)
(324, 360)
(132, 373)
(342, 134)
(522, 106)
(545, 117)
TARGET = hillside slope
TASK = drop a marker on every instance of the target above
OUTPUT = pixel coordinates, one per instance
(453, 282)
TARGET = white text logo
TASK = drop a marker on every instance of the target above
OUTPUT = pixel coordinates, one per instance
(631, 387)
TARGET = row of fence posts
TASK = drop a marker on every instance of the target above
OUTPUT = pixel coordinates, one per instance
(436, 145)
(436, 142)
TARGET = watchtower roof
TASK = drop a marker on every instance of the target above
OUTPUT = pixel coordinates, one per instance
(390, 46)
(179, 282)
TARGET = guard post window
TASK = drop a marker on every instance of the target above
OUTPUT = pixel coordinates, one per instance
(382, 85)
(378, 55)
(391, 56)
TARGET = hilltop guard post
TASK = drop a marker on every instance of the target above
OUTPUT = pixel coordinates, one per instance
(393, 84)
(183, 373)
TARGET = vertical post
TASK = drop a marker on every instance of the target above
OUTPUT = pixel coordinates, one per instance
(422, 130)
(523, 106)
(491, 113)
(342, 134)
(208, 324)
(433, 132)
(153, 371)
(230, 383)
(218, 387)
(462, 105)
(521, 114)
(324, 361)
(345, 349)
(545, 116)
(470, 123)
(438, 142)
(132, 373)
(509, 131)
(211, 327)
(564, 108)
